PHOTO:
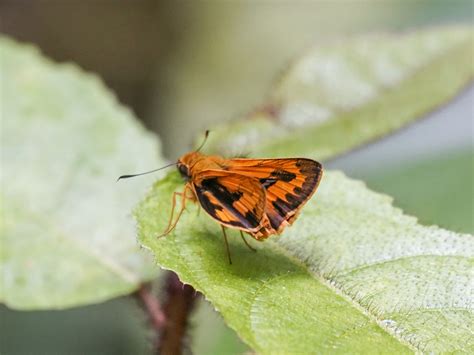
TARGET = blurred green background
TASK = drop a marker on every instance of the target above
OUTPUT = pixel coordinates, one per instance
(184, 66)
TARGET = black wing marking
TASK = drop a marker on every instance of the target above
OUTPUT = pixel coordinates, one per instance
(232, 199)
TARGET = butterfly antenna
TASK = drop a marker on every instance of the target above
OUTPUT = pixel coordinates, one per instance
(147, 172)
(204, 141)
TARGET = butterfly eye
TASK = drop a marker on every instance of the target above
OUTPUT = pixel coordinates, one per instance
(183, 170)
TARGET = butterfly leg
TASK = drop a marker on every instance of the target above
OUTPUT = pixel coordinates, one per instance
(247, 243)
(226, 244)
(173, 207)
(171, 224)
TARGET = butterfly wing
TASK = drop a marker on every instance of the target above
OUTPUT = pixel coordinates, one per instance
(289, 184)
(234, 200)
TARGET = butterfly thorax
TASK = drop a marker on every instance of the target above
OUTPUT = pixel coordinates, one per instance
(192, 163)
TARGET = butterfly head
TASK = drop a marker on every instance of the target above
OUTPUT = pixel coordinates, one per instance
(183, 170)
(186, 162)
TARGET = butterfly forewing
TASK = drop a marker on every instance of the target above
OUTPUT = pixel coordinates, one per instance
(289, 183)
(232, 199)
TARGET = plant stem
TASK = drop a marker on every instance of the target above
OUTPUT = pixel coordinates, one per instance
(179, 303)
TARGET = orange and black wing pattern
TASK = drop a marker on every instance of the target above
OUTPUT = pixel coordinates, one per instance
(234, 200)
(289, 183)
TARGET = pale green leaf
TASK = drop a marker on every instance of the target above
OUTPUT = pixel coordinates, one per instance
(353, 274)
(67, 235)
(340, 96)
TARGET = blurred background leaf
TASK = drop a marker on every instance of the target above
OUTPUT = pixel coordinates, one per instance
(227, 64)
(346, 94)
(67, 236)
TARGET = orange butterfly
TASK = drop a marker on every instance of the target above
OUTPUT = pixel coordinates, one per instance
(257, 196)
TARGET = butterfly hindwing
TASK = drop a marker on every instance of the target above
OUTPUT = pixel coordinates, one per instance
(289, 183)
(232, 199)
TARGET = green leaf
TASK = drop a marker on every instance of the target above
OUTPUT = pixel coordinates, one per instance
(67, 235)
(353, 274)
(340, 96)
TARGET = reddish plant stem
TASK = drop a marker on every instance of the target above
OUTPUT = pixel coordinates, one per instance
(180, 300)
(169, 322)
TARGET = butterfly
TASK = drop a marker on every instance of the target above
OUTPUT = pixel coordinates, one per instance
(259, 197)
